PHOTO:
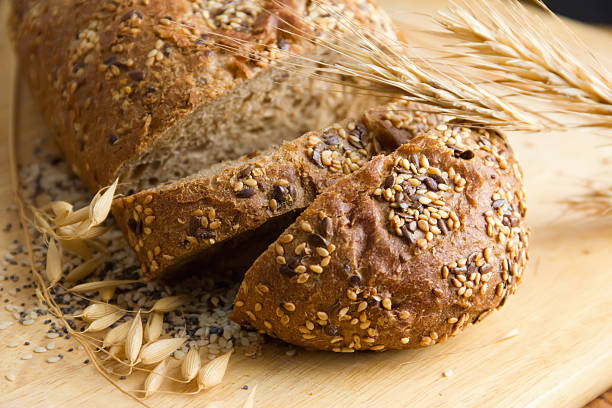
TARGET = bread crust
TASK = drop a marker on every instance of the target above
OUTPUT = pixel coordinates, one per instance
(175, 223)
(356, 272)
(111, 77)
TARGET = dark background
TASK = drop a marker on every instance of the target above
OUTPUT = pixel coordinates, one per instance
(590, 11)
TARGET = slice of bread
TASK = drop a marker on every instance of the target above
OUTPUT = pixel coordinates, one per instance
(201, 215)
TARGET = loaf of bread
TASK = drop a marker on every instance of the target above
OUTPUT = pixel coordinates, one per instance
(411, 230)
(144, 90)
(207, 215)
(405, 252)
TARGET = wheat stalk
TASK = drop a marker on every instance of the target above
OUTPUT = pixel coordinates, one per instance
(383, 67)
(597, 202)
(525, 54)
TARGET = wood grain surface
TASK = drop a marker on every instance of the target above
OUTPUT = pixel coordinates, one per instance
(562, 356)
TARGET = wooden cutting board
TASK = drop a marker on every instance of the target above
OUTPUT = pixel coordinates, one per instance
(561, 357)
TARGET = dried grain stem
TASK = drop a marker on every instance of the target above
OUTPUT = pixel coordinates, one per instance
(525, 54)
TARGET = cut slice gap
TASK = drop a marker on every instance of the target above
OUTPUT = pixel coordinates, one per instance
(267, 109)
(182, 220)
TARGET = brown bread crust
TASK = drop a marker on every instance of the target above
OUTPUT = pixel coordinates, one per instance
(112, 76)
(175, 223)
(354, 272)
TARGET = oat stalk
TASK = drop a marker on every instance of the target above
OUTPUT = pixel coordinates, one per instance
(525, 54)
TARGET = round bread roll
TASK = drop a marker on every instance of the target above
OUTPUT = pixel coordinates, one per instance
(403, 253)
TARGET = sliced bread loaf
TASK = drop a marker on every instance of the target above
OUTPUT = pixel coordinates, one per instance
(144, 90)
(201, 215)
(405, 252)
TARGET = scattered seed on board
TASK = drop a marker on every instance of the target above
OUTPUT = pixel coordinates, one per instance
(191, 364)
(155, 378)
(133, 340)
(26, 357)
(447, 373)
(13, 344)
(212, 373)
(4, 325)
(155, 352)
(10, 377)
(40, 350)
(53, 359)
(250, 401)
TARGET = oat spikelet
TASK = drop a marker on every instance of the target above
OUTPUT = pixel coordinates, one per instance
(73, 217)
(104, 322)
(160, 349)
(155, 378)
(107, 293)
(94, 286)
(77, 246)
(117, 334)
(117, 351)
(168, 304)
(61, 209)
(212, 373)
(101, 204)
(526, 55)
(154, 327)
(133, 341)
(97, 311)
(191, 364)
(250, 401)
(85, 269)
(54, 263)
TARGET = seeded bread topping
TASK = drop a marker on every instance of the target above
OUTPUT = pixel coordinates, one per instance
(180, 221)
(405, 252)
(113, 78)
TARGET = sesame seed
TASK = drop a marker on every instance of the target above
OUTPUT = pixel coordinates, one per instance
(386, 303)
(316, 268)
(351, 294)
(405, 340)
(306, 227)
(288, 306)
(286, 238)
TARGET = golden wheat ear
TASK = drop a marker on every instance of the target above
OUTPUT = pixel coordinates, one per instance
(595, 202)
(379, 64)
(529, 56)
(386, 66)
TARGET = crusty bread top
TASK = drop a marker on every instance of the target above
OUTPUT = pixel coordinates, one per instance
(403, 253)
(179, 221)
(112, 76)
